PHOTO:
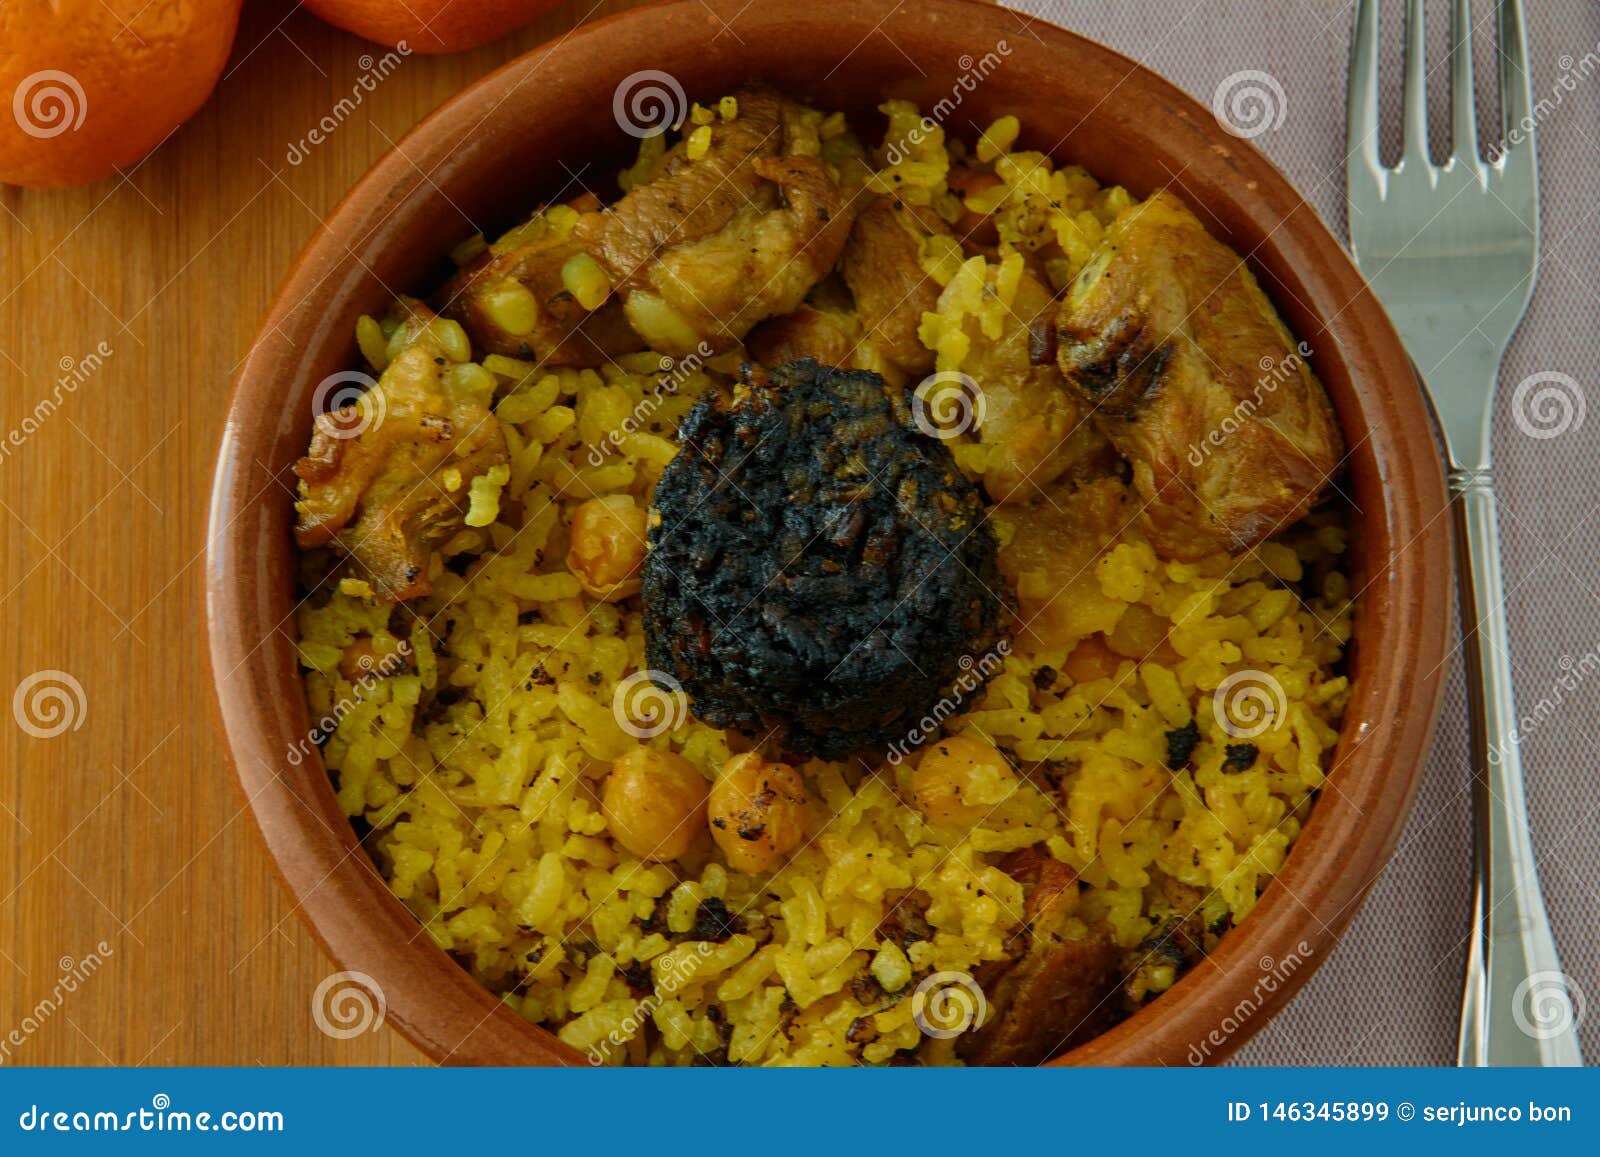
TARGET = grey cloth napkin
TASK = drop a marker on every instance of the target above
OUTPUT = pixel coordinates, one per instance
(1390, 993)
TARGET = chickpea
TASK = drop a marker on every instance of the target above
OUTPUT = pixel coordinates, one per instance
(758, 812)
(961, 780)
(654, 803)
(608, 540)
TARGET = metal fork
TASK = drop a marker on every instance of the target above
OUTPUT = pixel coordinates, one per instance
(1451, 251)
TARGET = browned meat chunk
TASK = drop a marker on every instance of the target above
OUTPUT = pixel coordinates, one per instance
(1040, 430)
(1060, 992)
(1049, 557)
(1197, 383)
(715, 244)
(806, 333)
(883, 267)
(689, 200)
(546, 323)
(1059, 995)
(388, 494)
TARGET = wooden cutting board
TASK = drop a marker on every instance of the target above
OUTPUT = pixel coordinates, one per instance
(140, 921)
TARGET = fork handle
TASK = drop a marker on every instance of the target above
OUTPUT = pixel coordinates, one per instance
(1517, 1008)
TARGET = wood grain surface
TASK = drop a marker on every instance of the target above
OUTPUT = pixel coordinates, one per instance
(140, 921)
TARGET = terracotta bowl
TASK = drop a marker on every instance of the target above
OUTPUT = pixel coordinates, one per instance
(486, 156)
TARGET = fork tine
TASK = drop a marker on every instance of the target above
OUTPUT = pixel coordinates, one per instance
(1361, 113)
(1416, 85)
(1463, 98)
(1516, 88)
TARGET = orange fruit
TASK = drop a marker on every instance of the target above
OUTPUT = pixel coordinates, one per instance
(87, 86)
(430, 25)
